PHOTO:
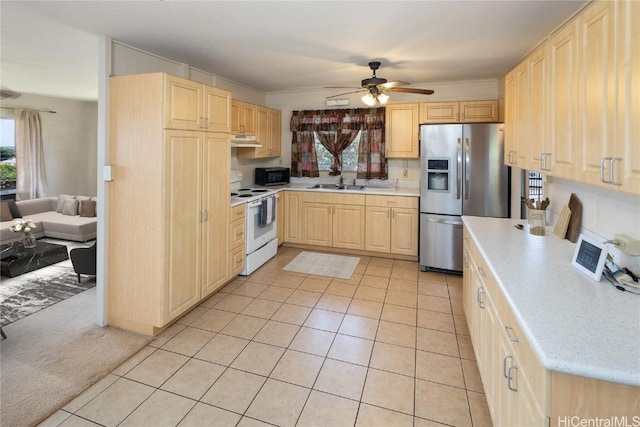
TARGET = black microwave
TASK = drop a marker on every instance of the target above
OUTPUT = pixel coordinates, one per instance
(271, 176)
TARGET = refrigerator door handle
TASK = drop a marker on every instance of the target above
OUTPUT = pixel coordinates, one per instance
(466, 168)
(445, 221)
(458, 167)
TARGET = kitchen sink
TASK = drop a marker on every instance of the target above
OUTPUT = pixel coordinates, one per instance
(337, 187)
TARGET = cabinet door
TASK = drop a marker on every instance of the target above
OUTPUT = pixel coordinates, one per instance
(182, 225)
(378, 234)
(596, 89)
(538, 63)
(281, 218)
(509, 118)
(521, 120)
(183, 104)
(293, 215)
(217, 103)
(479, 111)
(440, 112)
(234, 117)
(563, 102)
(262, 134)
(404, 231)
(348, 226)
(627, 170)
(275, 130)
(248, 118)
(215, 211)
(317, 224)
(402, 129)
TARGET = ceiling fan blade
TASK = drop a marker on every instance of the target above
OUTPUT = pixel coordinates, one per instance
(346, 93)
(411, 90)
(390, 85)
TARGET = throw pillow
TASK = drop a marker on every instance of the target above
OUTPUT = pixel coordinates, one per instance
(15, 212)
(87, 208)
(70, 207)
(81, 198)
(5, 212)
(61, 199)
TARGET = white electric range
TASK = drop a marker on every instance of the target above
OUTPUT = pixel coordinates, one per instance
(261, 222)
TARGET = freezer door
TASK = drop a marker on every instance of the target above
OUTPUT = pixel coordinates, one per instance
(440, 242)
(441, 169)
(485, 178)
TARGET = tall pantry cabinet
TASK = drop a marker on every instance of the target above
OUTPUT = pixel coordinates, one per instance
(168, 202)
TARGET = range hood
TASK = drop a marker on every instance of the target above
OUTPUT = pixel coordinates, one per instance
(244, 141)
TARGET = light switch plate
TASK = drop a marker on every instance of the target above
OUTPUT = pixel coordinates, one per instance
(106, 173)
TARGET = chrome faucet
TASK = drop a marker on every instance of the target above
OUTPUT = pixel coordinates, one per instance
(341, 181)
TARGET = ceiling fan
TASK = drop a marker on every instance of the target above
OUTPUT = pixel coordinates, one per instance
(376, 86)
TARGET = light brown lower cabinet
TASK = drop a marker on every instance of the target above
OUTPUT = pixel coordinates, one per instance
(391, 224)
(519, 390)
(237, 240)
(333, 220)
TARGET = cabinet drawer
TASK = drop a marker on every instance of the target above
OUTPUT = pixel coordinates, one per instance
(237, 212)
(236, 238)
(332, 198)
(392, 201)
(237, 260)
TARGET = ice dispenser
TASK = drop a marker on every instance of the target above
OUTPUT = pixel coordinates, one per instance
(438, 174)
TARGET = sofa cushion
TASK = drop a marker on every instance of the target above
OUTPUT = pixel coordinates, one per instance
(70, 207)
(87, 208)
(15, 212)
(61, 199)
(56, 225)
(35, 206)
(5, 212)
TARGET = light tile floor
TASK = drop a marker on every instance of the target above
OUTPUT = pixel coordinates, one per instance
(388, 347)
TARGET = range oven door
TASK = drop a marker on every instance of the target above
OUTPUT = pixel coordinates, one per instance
(258, 236)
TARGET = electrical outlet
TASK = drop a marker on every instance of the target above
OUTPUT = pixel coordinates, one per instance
(405, 173)
(628, 245)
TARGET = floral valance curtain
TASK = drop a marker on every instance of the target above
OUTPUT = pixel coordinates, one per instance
(336, 130)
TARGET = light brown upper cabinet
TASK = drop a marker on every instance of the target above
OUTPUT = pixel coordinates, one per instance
(243, 118)
(402, 130)
(268, 134)
(194, 106)
(582, 86)
(459, 112)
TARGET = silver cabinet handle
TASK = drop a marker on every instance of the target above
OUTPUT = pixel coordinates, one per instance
(511, 337)
(510, 377)
(611, 171)
(504, 365)
(466, 167)
(479, 294)
(465, 261)
(481, 271)
(602, 162)
(458, 167)
(206, 215)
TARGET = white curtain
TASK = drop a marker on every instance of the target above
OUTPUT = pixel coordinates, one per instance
(31, 180)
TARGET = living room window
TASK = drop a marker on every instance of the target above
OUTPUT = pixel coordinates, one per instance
(8, 166)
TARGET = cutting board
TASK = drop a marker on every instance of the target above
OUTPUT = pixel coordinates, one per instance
(560, 229)
(573, 230)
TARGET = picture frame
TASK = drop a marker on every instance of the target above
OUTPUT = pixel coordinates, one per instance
(589, 257)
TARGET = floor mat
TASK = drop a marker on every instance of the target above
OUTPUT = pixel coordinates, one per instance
(321, 264)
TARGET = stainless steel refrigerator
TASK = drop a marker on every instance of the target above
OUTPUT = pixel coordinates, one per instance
(462, 173)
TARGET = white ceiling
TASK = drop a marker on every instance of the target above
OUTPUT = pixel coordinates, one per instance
(51, 47)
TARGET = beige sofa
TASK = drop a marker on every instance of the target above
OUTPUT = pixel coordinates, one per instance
(50, 223)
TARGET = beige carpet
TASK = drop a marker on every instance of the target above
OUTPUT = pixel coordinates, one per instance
(321, 264)
(55, 354)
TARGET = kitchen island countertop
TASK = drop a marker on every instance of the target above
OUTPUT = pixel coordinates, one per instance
(576, 325)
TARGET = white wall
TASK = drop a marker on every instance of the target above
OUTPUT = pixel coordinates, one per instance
(605, 213)
(70, 142)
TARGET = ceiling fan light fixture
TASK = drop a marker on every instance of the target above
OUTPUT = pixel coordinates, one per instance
(382, 98)
(369, 99)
